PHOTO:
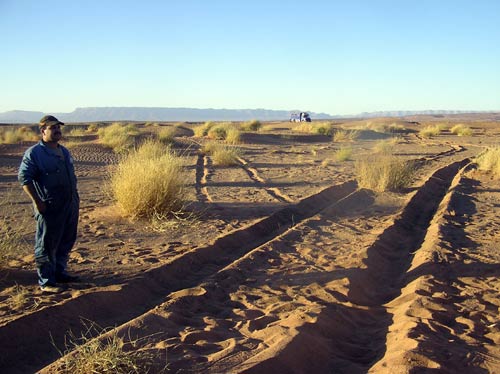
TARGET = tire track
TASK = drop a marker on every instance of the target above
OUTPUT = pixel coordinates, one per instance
(342, 336)
(36, 334)
(254, 175)
(446, 330)
(355, 330)
(203, 167)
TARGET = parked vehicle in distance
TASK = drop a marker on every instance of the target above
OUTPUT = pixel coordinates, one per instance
(300, 117)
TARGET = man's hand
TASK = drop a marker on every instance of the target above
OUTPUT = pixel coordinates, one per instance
(40, 205)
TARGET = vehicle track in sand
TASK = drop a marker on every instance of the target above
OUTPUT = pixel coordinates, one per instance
(115, 305)
(323, 318)
(226, 264)
(205, 170)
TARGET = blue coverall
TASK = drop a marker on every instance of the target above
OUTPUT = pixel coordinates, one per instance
(54, 180)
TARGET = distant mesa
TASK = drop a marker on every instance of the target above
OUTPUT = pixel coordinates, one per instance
(155, 114)
(92, 114)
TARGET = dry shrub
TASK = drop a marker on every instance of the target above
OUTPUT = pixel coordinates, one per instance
(461, 130)
(209, 147)
(77, 132)
(110, 353)
(119, 137)
(20, 134)
(225, 156)
(92, 128)
(167, 134)
(148, 182)
(489, 161)
(218, 131)
(383, 173)
(18, 297)
(306, 127)
(343, 154)
(253, 125)
(233, 136)
(225, 131)
(345, 135)
(203, 130)
(381, 127)
(430, 131)
(324, 128)
(222, 155)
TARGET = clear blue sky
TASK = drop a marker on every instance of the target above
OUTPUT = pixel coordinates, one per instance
(338, 57)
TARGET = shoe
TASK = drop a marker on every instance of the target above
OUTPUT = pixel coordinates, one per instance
(66, 278)
(48, 288)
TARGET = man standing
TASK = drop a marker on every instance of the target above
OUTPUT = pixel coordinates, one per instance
(47, 175)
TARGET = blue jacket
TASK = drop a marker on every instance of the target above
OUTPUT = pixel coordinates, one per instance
(54, 179)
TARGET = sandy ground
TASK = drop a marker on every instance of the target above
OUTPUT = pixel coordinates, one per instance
(288, 267)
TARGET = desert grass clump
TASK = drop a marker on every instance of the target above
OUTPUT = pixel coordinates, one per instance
(119, 137)
(461, 130)
(430, 131)
(18, 297)
(148, 181)
(20, 134)
(343, 154)
(109, 353)
(222, 154)
(324, 128)
(321, 128)
(306, 127)
(233, 135)
(78, 132)
(225, 131)
(253, 125)
(92, 128)
(345, 135)
(219, 131)
(209, 147)
(489, 161)
(167, 135)
(383, 173)
(225, 156)
(203, 130)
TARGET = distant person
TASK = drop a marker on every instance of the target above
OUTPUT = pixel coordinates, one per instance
(47, 175)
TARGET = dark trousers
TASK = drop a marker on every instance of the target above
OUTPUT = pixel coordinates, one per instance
(54, 239)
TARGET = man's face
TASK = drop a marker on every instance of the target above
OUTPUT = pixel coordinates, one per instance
(51, 133)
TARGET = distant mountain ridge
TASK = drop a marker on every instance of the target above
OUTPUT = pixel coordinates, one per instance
(93, 114)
